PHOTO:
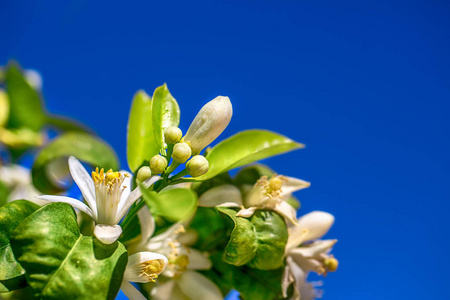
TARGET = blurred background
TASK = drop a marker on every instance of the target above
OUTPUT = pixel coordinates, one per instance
(364, 84)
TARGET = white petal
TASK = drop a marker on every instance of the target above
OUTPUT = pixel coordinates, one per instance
(127, 183)
(147, 223)
(291, 185)
(198, 261)
(171, 233)
(315, 249)
(163, 291)
(107, 234)
(246, 212)
(223, 195)
(299, 277)
(287, 211)
(84, 182)
(131, 292)
(210, 122)
(74, 202)
(255, 197)
(134, 270)
(132, 197)
(286, 280)
(197, 286)
(317, 224)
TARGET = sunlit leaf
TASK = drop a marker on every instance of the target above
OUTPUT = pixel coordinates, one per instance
(12, 275)
(244, 148)
(165, 113)
(61, 263)
(141, 144)
(85, 147)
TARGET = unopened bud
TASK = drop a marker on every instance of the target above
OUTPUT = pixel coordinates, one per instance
(181, 152)
(158, 164)
(197, 166)
(209, 123)
(144, 173)
(172, 135)
(331, 264)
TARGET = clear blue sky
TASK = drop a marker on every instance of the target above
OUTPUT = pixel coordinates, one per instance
(364, 84)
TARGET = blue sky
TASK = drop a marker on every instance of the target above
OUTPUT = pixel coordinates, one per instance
(364, 84)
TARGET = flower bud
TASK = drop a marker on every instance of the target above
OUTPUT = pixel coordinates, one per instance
(197, 166)
(158, 164)
(331, 264)
(209, 123)
(181, 152)
(172, 135)
(143, 174)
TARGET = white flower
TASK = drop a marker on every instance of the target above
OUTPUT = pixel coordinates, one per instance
(142, 267)
(304, 253)
(18, 179)
(270, 194)
(210, 122)
(108, 196)
(182, 263)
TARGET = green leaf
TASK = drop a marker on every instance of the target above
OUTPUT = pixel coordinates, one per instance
(141, 144)
(66, 124)
(12, 275)
(272, 236)
(243, 245)
(26, 109)
(244, 148)
(61, 263)
(85, 147)
(212, 236)
(4, 193)
(250, 283)
(173, 204)
(165, 113)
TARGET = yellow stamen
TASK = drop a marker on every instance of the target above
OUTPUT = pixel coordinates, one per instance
(152, 268)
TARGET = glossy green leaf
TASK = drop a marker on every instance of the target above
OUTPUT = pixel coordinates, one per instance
(165, 113)
(26, 109)
(4, 108)
(61, 263)
(242, 245)
(250, 283)
(85, 147)
(141, 144)
(4, 193)
(271, 236)
(173, 204)
(12, 275)
(244, 148)
(212, 236)
(66, 124)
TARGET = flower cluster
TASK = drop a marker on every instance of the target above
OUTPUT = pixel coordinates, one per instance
(176, 226)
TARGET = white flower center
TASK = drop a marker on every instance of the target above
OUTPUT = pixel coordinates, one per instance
(108, 191)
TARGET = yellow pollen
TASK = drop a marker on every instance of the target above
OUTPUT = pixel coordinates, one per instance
(180, 230)
(272, 187)
(152, 268)
(108, 178)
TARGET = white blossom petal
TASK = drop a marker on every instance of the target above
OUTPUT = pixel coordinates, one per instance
(132, 197)
(147, 223)
(199, 287)
(131, 292)
(316, 224)
(287, 211)
(137, 262)
(164, 291)
(246, 212)
(198, 261)
(226, 195)
(84, 183)
(74, 202)
(299, 277)
(286, 280)
(107, 234)
(127, 183)
(291, 185)
(315, 249)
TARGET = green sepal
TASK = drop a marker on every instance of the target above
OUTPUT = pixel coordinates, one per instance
(165, 113)
(61, 263)
(85, 147)
(242, 246)
(245, 147)
(141, 142)
(12, 275)
(271, 236)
